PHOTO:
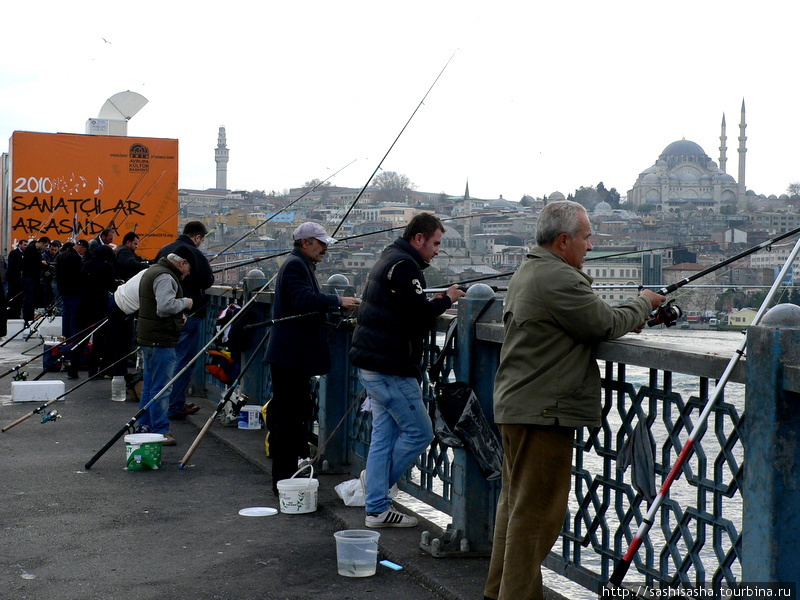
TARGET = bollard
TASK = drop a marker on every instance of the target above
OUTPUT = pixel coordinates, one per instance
(771, 440)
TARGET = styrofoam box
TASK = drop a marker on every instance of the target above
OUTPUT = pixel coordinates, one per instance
(36, 391)
(45, 328)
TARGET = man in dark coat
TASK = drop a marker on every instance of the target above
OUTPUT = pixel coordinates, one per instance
(298, 349)
(96, 283)
(128, 262)
(68, 273)
(32, 267)
(14, 280)
(387, 349)
(194, 286)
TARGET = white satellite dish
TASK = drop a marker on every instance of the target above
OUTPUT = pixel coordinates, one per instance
(122, 106)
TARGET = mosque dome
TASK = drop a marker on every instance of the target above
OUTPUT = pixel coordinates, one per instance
(603, 208)
(684, 151)
(689, 179)
(651, 178)
(556, 196)
(783, 197)
(683, 147)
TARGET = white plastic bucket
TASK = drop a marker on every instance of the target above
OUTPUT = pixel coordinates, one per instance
(357, 552)
(298, 495)
(143, 451)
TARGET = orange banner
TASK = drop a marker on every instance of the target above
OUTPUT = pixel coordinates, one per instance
(69, 186)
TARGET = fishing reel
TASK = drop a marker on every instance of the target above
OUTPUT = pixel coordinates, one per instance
(666, 314)
(51, 416)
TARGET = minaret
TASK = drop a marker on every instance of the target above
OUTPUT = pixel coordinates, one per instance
(742, 152)
(468, 211)
(221, 156)
(723, 147)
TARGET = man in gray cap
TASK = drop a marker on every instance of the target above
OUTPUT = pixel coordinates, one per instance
(298, 348)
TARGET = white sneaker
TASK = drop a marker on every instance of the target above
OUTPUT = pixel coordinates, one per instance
(390, 518)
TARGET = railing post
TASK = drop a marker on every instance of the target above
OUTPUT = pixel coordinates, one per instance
(473, 500)
(334, 388)
(771, 440)
(253, 381)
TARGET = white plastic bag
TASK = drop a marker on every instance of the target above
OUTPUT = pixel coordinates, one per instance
(351, 492)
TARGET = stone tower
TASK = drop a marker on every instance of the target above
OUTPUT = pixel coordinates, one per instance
(742, 152)
(221, 156)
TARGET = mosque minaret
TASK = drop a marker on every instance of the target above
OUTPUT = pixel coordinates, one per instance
(723, 148)
(742, 152)
(221, 157)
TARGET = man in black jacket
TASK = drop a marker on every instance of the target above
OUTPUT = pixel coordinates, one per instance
(14, 279)
(68, 273)
(32, 267)
(298, 348)
(128, 262)
(194, 286)
(387, 349)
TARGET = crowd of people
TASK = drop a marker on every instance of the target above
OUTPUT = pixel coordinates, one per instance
(97, 287)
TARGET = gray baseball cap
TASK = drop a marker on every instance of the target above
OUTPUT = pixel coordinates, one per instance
(312, 230)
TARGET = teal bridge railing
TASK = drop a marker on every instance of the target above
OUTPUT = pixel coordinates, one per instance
(697, 539)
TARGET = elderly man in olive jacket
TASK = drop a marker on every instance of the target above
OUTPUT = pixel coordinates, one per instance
(547, 385)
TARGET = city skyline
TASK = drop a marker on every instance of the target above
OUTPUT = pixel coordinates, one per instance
(536, 99)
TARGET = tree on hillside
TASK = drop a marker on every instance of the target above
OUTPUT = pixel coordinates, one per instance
(316, 183)
(794, 188)
(392, 186)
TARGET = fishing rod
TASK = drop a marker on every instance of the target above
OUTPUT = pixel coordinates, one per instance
(227, 398)
(28, 326)
(363, 189)
(645, 250)
(292, 203)
(41, 408)
(248, 261)
(90, 329)
(624, 564)
(147, 191)
(765, 244)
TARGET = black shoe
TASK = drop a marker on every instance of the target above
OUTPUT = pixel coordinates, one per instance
(72, 375)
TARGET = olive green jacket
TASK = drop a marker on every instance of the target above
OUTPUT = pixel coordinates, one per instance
(548, 374)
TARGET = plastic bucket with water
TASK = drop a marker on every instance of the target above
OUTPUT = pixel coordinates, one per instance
(357, 552)
(143, 451)
(298, 495)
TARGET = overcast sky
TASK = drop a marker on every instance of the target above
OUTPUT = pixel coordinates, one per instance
(538, 97)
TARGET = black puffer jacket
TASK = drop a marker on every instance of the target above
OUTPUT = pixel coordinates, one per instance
(395, 315)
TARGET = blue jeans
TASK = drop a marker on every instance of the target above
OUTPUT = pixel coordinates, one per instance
(401, 431)
(184, 352)
(69, 317)
(159, 363)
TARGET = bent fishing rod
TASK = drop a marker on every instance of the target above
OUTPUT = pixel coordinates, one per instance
(285, 208)
(371, 177)
(221, 404)
(44, 406)
(625, 562)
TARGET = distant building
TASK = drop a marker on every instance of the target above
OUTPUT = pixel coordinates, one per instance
(684, 174)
